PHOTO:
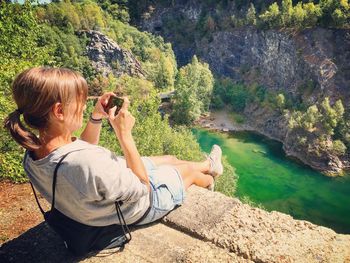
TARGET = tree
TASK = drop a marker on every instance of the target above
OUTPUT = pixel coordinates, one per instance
(338, 147)
(331, 116)
(287, 12)
(165, 77)
(272, 17)
(335, 12)
(311, 118)
(298, 16)
(312, 14)
(238, 96)
(194, 86)
(251, 15)
(339, 17)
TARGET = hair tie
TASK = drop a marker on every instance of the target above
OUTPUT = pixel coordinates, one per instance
(19, 111)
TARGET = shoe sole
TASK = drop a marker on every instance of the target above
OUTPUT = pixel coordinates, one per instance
(221, 168)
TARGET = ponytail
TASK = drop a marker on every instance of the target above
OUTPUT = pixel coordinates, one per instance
(20, 134)
(35, 91)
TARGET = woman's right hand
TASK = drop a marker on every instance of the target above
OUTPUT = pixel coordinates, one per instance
(123, 122)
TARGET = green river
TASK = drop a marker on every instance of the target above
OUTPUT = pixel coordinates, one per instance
(267, 177)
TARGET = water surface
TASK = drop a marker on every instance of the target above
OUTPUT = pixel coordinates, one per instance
(267, 177)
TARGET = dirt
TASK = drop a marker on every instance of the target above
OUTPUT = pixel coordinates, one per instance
(221, 120)
(18, 210)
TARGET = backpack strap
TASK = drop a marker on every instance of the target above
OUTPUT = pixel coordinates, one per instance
(53, 187)
(36, 199)
(148, 209)
(123, 224)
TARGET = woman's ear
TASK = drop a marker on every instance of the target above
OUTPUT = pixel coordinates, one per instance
(57, 110)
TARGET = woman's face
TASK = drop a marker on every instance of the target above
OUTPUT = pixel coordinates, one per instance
(74, 115)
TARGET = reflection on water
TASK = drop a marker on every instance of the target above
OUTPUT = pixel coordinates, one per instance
(266, 176)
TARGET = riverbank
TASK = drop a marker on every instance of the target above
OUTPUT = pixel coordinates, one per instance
(223, 121)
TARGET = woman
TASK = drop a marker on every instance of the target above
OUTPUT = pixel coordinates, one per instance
(91, 178)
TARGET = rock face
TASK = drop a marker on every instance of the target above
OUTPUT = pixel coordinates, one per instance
(285, 61)
(107, 57)
(255, 234)
(306, 66)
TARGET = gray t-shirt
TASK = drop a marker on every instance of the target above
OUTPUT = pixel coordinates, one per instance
(89, 180)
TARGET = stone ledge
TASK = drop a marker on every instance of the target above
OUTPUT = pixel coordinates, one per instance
(256, 234)
(208, 227)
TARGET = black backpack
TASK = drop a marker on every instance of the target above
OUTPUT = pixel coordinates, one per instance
(80, 238)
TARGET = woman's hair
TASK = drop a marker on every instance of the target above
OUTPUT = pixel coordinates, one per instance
(35, 91)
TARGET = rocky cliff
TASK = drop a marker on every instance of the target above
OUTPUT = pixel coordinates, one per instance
(107, 57)
(306, 65)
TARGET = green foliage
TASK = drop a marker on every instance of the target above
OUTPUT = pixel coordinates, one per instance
(313, 13)
(287, 12)
(335, 12)
(235, 95)
(272, 17)
(227, 182)
(251, 15)
(237, 118)
(325, 117)
(331, 115)
(327, 125)
(217, 102)
(342, 131)
(194, 85)
(117, 9)
(157, 57)
(338, 147)
(19, 49)
(328, 13)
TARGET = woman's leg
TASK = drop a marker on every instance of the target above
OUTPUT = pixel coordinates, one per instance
(191, 176)
(202, 167)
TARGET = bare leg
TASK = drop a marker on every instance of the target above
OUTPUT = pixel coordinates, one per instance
(202, 167)
(191, 176)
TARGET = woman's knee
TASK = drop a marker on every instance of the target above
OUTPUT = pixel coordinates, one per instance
(171, 158)
(185, 169)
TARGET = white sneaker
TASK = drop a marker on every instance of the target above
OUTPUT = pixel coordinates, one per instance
(216, 169)
(211, 187)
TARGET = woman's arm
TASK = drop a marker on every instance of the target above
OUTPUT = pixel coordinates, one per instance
(122, 124)
(133, 158)
(92, 130)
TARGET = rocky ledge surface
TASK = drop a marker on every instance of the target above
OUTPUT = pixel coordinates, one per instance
(208, 227)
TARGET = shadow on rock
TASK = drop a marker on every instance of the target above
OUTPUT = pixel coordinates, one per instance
(38, 244)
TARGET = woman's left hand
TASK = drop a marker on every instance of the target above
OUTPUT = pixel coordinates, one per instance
(99, 111)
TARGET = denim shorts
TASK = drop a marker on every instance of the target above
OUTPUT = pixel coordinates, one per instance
(167, 188)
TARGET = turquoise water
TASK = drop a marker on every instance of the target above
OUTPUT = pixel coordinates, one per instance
(267, 177)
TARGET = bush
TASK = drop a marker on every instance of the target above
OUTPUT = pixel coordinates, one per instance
(338, 147)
